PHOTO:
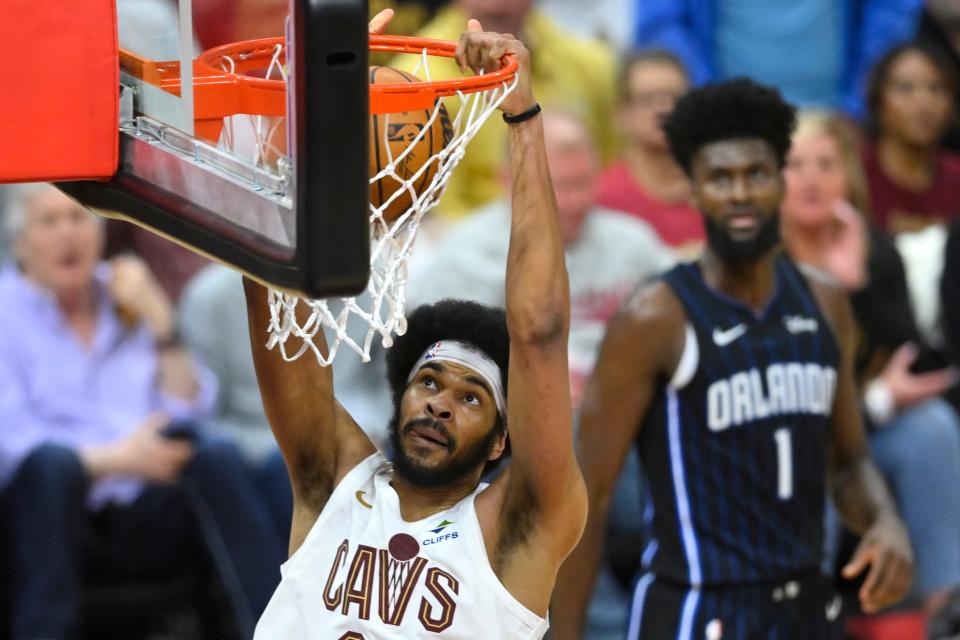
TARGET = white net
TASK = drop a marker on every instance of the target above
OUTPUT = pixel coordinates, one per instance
(398, 577)
(397, 572)
(299, 325)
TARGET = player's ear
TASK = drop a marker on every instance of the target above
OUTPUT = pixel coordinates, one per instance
(499, 445)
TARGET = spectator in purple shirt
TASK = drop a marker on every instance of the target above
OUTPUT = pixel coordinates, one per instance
(100, 471)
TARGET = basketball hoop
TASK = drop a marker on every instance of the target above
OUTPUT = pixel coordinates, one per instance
(380, 311)
(240, 101)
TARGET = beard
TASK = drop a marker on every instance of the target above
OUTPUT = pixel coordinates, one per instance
(743, 251)
(453, 469)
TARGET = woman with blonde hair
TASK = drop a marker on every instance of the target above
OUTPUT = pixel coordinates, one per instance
(914, 434)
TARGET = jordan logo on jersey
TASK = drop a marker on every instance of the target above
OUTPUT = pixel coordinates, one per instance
(363, 574)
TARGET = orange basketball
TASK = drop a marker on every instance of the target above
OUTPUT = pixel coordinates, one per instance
(391, 134)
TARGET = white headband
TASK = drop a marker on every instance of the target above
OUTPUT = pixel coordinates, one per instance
(469, 356)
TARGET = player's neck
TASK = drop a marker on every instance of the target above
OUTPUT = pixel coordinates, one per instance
(418, 502)
(752, 283)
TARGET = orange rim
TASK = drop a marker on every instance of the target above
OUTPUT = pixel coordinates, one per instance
(219, 92)
(390, 98)
(255, 55)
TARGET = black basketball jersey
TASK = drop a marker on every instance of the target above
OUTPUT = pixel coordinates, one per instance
(734, 447)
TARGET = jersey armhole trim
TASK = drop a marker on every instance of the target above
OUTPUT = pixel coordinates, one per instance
(507, 599)
(356, 476)
(689, 359)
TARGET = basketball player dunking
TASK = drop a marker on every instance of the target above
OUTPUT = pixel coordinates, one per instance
(732, 376)
(419, 547)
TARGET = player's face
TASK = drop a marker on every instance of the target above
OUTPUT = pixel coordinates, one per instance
(60, 243)
(738, 187)
(815, 179)
(446, 428)
(917, 102)
(652, 91)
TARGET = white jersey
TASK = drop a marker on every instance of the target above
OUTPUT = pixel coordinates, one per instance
(363, 573)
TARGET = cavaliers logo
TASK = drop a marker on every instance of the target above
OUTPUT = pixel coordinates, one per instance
(390, 576)
(360, 499)
(403, 547)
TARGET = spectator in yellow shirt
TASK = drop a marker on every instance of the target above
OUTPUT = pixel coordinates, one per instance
(568, 72)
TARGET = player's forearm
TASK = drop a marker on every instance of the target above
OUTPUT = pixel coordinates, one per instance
(298, 395)
(299, 371)
(861, 495)
(537, 290)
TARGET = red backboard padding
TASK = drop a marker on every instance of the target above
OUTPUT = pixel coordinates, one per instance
(59, 93)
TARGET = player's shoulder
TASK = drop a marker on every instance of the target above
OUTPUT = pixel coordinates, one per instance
(831, 298)
(652, 309)
(649, 330)
(654, 301)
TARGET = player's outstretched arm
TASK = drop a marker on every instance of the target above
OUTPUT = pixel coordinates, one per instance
(318, 439)
(859, 491)
(539, 502)
(643, 343)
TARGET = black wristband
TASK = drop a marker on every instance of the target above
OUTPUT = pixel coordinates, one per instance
(522, 117)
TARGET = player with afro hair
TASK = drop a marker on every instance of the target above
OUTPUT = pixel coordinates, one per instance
(691, 374)
(472, 558)
(483, 326)
(738, 108)
(479, 325)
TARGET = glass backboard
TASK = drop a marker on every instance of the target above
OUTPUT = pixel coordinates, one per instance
(252, 154)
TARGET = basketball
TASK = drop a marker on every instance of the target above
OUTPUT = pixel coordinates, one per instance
(391, 134)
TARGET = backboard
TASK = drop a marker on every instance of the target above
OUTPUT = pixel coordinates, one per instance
(275, 187)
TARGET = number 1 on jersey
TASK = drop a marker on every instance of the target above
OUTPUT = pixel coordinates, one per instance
(784, 463)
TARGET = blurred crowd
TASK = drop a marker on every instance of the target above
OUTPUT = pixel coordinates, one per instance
(139, 481)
